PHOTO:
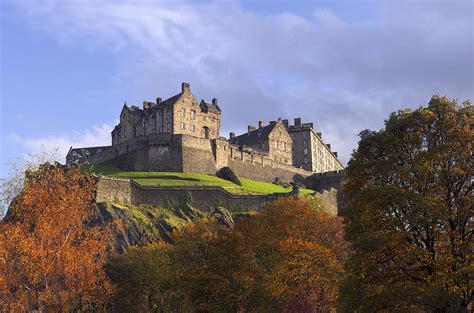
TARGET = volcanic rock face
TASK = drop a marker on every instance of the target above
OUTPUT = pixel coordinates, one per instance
(138, 226)
(228, 174)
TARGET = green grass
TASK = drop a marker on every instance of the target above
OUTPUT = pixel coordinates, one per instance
(193, 179)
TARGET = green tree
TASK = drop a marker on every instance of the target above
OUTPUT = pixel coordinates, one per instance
(411, 214)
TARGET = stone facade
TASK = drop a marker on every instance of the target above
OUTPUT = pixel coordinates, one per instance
(272, 139)
(309, 150)
(180, 114)
(181, 135)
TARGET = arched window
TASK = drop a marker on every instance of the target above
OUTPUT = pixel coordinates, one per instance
(206, 132)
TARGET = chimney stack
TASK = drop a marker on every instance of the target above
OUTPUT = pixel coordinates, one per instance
(298, 122)
(184, 87)
(214, 101)
(158, 100)
(146, 105)
(231, 135)
(261, 124)
(285, 122)
(250, 128)
(272, 122)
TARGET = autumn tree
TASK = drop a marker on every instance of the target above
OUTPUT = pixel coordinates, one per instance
(51, 251)
(212, 269)
(299, 253)
(12, 185)
(411, 217)
(142, 277)
(287, 258)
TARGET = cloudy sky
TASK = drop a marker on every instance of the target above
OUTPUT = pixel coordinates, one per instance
(67, 67)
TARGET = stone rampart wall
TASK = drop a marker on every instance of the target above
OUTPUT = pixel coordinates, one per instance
(260, 167)
(205, 198)
(111, 189)
(184, 153)
(326, 181)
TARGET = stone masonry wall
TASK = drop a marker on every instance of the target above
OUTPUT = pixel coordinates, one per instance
(205, 198)
(114, 190)
(261, 167)
(182, 153)
(197, 155)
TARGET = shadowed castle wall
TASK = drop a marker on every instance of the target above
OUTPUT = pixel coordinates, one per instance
(183, 153)
(205, 198)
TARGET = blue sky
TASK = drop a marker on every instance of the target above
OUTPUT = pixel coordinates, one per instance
(67, 67)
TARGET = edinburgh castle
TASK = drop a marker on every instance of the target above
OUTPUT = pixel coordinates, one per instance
(180, 134)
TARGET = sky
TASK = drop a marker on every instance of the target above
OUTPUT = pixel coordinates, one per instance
(67, 67)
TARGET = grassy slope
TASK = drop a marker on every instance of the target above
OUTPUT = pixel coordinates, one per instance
(194, 179)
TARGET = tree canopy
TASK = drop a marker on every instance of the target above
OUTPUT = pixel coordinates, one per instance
(287, 258)
(411, 214)
(51, 253)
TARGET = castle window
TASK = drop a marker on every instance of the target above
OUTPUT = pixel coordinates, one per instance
(183, 126)
(305, 160)
(305, 152)
(193, 114)
(305, 142)
(183, 113)
(193, 128)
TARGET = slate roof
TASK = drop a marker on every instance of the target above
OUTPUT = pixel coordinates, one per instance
(168, 102)
(91, 150)
(254, 137)
(212, 107)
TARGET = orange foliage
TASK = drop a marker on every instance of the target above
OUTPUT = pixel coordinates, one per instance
(300, 252)
(51, 256)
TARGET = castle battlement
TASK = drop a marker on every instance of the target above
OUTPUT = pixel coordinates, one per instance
(180, 134)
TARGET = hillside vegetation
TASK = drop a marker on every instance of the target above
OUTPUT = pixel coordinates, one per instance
(194, 179)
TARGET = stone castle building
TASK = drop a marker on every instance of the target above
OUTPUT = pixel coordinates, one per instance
(181, 135)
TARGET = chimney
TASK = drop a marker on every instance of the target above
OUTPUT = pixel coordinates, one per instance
(214, 101)
(158, 100)
(261, 124)
(272, 122)
(298, 122)
(308, 125)
(250, 128)
(285, 122)
(184, 87)
(146, 105)
(232, 135)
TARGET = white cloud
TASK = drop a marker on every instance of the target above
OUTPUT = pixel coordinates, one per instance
(343, 75)
(59, 145)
